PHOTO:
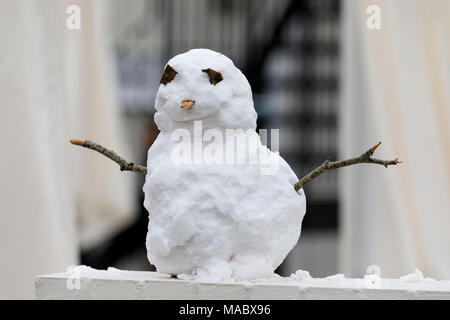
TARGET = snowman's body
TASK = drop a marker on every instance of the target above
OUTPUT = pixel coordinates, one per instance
(216, 221)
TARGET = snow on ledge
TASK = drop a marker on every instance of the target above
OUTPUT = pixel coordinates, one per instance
(86, 283)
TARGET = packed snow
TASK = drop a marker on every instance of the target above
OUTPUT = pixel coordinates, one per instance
(216, 221)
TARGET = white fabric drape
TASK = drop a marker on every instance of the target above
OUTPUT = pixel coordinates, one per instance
(396, 88)
(55, 84)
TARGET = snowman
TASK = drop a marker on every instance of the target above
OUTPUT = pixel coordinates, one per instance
(226, 219)
(222, 206)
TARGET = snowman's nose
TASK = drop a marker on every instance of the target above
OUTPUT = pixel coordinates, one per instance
(187, 104)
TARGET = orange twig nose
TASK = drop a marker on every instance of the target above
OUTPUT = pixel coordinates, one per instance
(187, 104)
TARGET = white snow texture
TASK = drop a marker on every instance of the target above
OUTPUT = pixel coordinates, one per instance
(216, 222)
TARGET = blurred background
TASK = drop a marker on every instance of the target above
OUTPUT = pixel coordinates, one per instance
(320, 73)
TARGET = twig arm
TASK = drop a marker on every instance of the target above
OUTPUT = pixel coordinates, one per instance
(124, 164)
(366, 157)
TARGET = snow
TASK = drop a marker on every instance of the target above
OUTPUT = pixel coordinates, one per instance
(412, 282)
(300, 275)
(83, 271)
(372, 279)
(369, 280)
(416, 276)
(338, 276)
(228, 104)
(223, 220)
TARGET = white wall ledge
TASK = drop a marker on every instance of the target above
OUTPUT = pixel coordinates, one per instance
(117, 284)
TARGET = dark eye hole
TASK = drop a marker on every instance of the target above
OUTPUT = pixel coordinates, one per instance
(214, 76)
(168, 75)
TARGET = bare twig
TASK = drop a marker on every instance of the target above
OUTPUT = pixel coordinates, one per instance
(366, 157)
(124, 165)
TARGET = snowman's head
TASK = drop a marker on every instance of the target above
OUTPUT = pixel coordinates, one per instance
(204, 85)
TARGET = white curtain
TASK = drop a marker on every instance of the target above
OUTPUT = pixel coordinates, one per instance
(56, 84)
(396, 88)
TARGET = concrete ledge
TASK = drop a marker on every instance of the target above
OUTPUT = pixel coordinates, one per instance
(86, 283)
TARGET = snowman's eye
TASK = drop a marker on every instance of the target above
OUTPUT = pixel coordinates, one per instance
(214, 76)
(168, 75)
